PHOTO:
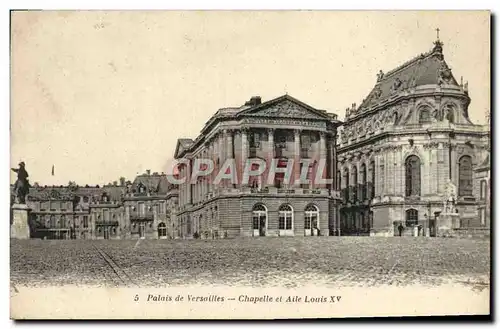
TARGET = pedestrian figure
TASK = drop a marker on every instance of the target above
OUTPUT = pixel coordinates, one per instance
(400, 229)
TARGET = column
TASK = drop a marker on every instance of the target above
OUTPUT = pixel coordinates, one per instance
(229, 150)
(390, 171)
(296, 164)
(244, 153)
(453, 164)
(220, 154)
(270, 142)
(434, 171)
(189, 186)
(270, 154)
(323, 154)
(333, 161)
(398, 170)
(229, 146)
(440, 164)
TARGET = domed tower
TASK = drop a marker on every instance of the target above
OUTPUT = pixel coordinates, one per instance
(403, 146)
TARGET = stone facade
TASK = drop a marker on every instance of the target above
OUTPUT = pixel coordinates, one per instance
(399, 148)
(144, 208)
(283, 128)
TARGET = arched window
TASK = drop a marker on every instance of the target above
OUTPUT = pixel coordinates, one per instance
(372, 179)
(450, 115)
(412, 169)
(346, 184)
(311, 219)
(465, 176)
(483, 190)
(285, 219)
(162, 230)
(411, 217)
(424, 116)
(363, 182)
(259, 220)
(354, 184)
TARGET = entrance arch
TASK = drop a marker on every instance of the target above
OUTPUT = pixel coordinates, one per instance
(162, 231)
(311, 220)
(259, 220)
(285, 220)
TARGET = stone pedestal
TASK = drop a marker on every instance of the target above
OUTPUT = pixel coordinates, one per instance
(19, 228)
(446, 223)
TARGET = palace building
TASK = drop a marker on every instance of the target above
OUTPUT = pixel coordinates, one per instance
(401, 146)
(283, 128)
(144, 208)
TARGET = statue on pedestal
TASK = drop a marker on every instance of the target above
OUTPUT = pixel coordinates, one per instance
(21, 186)
(450, 197)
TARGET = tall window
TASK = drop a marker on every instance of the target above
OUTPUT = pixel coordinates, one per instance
(311, 217)
(482, 216)
(363, 182)
(162, 230)
(450, 116)
(411, 217)
(285, 217)
(85, 221)
(372, 172)
(339, 181)
(142, 209)
(483, 190)
(62, 223)
(53, 221)
(424, 116)
(465, 176)
(412, 166)
(259, 216)
(354, 183)
(347, 187)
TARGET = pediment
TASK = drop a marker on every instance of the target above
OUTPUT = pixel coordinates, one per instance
(286, 108)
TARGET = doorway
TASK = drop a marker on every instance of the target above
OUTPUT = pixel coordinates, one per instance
(142, 229)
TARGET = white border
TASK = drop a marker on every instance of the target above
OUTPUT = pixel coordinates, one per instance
(185, 4)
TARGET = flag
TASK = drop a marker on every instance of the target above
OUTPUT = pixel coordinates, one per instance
(52, 170)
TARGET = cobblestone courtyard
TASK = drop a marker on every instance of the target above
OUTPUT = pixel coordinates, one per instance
(289, 262)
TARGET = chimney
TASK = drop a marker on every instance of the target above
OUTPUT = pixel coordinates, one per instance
(254, 101)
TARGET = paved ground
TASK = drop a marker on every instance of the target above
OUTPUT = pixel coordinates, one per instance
(289, 262)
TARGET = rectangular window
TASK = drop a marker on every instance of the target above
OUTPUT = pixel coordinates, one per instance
(142, 209)
(482, 215)
(85, 221)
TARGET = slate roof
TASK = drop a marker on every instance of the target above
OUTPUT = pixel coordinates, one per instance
(156, 183)
(424, 69)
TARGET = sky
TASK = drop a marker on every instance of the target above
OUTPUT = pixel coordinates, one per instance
(99, 95)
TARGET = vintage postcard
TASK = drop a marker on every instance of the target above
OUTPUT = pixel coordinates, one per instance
(249, 164)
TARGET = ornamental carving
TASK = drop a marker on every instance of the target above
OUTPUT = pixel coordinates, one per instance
(287, 109)
(265, 121)
(444, 74)
(431, 145)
